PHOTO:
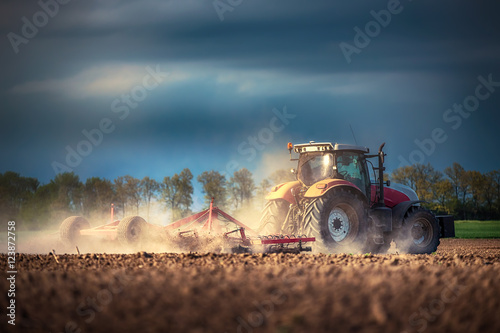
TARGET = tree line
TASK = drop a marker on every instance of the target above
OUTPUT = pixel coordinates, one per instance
(462, 193)
(25, 200)
(466, 194)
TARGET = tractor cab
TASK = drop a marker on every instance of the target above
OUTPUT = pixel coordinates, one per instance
(320, 161)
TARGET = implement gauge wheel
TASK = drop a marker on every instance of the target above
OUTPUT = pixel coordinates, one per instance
(131, 230)
(69, 231)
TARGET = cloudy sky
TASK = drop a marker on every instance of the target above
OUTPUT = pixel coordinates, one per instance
(160, 85)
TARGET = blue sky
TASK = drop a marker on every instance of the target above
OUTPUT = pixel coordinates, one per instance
(225, 78)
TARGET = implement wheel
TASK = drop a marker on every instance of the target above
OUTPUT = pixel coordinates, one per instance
(131, 230)
(69, 231)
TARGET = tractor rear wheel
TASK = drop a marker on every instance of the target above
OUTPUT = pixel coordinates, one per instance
(338, 221)
(69, 231)
(131, 230)
(273, 217)
(419, 233)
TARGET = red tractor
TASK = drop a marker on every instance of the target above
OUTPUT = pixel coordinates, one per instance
(334, 200)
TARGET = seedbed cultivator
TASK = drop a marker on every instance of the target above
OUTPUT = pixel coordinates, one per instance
(211, 229)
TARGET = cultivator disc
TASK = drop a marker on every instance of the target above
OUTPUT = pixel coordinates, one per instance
(270, 243)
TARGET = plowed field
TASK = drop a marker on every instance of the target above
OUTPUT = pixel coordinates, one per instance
(455, 290)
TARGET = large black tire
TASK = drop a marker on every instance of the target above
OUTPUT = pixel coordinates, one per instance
(273, 217)
(419, 233)
(338, 221)
(132, 230)
(69, 231)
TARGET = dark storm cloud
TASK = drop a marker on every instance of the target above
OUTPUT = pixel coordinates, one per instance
(286, 34)
(228, 75)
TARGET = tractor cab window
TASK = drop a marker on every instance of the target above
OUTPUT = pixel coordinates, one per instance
(351, 166)
(315, 167)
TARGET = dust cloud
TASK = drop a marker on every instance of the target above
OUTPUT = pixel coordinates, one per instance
(48, 239)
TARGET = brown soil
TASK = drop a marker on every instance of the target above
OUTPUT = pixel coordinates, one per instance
(455, 290)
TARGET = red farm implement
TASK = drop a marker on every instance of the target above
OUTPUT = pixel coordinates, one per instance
(211, 229)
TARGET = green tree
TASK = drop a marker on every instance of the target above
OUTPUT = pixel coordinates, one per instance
(97, 195)
(177, 193)
(149, 190)
(15, 192)
(241, 186)
(38, 212)
(489, 194)
(133, 192)
(405, 175)
(443, 191)
(494, 178)
(214, 186)
(460, 181)
(420, 178)
(121, 196)
(263, 188)
(477, 184)
(69, 191)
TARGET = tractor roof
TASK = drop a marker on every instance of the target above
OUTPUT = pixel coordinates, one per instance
(327, 146)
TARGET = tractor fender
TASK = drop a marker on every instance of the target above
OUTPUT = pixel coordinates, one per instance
(399, 212)
(323, 186)
(283, 191)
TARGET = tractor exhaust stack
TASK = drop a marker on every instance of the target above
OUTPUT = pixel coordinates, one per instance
(381, 169)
